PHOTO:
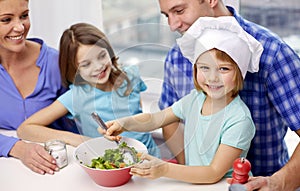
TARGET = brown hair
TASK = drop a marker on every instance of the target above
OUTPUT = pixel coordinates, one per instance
(86, 34)
(238, 78)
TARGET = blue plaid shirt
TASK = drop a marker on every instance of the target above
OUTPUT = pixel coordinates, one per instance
(272, 95)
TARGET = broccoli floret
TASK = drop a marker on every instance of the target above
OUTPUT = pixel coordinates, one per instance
(112, 158)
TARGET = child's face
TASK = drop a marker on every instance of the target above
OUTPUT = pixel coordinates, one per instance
(94, 65)
(215, 77)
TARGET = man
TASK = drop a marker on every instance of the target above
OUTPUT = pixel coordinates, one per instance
(272, 94)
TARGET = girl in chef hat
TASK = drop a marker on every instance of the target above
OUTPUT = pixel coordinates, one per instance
(218, 124)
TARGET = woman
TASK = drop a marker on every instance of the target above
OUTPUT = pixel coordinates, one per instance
(30, 81)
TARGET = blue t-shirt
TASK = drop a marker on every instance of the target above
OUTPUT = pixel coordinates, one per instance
(231, 126)
(82, 100)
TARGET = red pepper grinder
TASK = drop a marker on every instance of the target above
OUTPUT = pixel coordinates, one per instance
(241, 169)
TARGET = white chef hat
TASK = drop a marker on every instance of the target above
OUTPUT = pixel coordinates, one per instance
(225, 34)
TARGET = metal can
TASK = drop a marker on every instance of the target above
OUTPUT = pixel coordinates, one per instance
(58, 150)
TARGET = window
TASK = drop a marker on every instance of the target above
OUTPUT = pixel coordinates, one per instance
(282, 17)
(138, 34)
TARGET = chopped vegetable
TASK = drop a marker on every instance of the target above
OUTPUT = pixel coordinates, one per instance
(113, 158)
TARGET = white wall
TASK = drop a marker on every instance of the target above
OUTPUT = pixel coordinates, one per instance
(49, 18)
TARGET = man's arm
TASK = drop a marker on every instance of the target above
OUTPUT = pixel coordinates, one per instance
(286, 179)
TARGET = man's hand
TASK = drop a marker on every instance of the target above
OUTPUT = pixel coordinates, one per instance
(256, 183)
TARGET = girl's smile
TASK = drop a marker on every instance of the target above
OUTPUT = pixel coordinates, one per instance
(101, 74)
(215, 88)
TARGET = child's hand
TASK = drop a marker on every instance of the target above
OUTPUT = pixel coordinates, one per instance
(113, 131)
(152, 167)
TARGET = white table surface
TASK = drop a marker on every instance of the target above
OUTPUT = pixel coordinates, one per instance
(14, 176)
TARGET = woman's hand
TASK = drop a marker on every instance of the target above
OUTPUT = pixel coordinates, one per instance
(151, 167)
(35, 157)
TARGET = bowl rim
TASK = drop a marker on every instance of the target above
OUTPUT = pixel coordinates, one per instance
(77, 160)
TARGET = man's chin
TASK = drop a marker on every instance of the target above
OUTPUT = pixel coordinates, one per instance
(181, 32)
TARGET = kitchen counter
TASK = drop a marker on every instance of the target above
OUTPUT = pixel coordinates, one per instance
(14, 176)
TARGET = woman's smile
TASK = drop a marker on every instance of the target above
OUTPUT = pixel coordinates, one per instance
(19, 37)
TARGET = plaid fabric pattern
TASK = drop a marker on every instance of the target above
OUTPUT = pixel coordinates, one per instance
(272, 95)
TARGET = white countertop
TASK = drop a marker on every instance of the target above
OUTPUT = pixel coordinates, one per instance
(14, 176)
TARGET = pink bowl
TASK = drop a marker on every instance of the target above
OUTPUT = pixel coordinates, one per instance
(96, 147)
(108, 178)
